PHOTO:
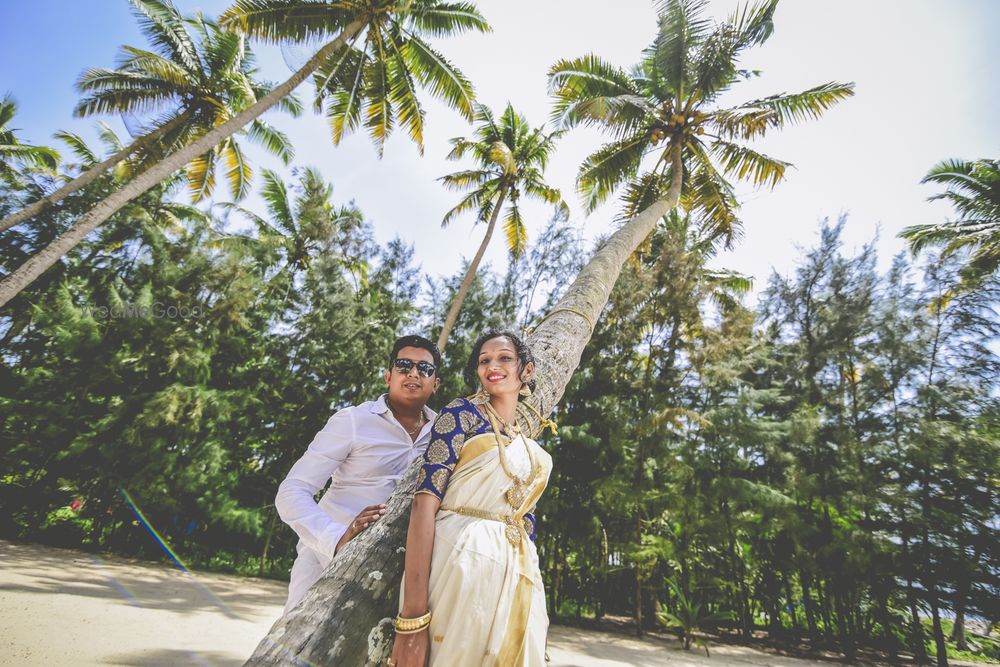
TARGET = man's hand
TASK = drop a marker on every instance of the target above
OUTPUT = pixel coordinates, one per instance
(365, 518)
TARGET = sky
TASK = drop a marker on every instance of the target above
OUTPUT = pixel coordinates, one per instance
(926, 90)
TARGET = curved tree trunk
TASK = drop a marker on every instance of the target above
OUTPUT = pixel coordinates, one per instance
(92, 174)
(37, 264)
(346, 617)
(470, 274)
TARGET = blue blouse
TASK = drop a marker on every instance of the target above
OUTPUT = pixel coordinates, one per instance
(457, 422)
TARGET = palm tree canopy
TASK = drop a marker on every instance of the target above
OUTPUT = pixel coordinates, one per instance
(373, 81)
(510, 159)
(665, 106)
(973, 188)
(196, 71)
(12, 150)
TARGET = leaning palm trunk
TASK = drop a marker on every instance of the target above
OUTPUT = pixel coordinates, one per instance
(40, 262)
(346, 617)
(470, 274)
(92, 174)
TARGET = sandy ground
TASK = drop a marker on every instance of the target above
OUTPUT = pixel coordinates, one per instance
(67, 607)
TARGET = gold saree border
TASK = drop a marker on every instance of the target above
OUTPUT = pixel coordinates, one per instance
(475, 447)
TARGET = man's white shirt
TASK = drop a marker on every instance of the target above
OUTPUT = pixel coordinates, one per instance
(365, 451)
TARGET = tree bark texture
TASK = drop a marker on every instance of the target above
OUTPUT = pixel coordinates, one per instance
(346, 617)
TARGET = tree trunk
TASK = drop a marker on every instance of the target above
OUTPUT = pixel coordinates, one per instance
(267, 543)
(941, 649)
(36, 265)
(603, 574)
(346, 617)
(958, 631)
(470, 274)
(92, 174)
(805, 580)
(637, 615)
(917, 645)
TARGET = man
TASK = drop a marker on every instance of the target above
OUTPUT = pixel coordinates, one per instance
(366, 449)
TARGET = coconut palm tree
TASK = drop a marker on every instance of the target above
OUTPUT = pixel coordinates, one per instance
(510, 158)
(194, 78)
(973, 188)
(335, 621)
(12, 150)
(664, 109)
(383, 75)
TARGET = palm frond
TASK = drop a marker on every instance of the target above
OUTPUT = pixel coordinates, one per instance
(238, 171)
(442, 19)
(514, 231)
(442, 79)
(154, 66)
(707, 194)
(470, 202)
(682, 28)
(163, 25)
(590, 90)
(643, 192)
(460, 180)
(344, 107)
(273, 140)
(753, 118)
(749, 165)
(403, 93)
(275, 195)
(611, 165)
(379, 114)
(78, 146)
(288, 20)
(201, 176)
(39, 157)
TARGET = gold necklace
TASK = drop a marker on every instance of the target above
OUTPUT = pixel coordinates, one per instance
(421, 420)
(518, 491)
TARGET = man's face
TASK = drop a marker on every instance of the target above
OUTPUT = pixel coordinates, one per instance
(411, 388)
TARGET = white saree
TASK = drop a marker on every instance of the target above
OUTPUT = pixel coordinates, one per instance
(485, 588)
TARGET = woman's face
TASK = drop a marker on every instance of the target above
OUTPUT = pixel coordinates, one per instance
(498, 368)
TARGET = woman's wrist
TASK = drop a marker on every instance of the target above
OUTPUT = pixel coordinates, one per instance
(414, 610)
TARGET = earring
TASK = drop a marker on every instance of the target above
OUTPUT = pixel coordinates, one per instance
(525, 390)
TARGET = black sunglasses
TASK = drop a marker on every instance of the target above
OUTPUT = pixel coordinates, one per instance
(425, 368)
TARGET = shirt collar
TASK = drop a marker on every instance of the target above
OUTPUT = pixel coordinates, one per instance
(380, 407)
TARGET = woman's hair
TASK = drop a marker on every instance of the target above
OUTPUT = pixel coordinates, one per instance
(524, 356)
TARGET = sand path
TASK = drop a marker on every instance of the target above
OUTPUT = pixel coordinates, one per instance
(68, 607)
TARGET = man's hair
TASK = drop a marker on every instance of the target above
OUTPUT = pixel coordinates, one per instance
(415, 341)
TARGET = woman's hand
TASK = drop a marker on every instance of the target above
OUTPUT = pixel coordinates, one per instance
(411, 650)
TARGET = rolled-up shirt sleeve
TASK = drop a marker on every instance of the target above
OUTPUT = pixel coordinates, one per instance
(294, 501)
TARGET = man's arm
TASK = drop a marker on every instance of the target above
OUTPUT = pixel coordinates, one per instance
(294, 500)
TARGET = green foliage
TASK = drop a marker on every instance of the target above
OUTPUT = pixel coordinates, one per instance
(665, 106)
(13, 151)
(373, 80)
(189, 366)
(973, 189)
(195, 78)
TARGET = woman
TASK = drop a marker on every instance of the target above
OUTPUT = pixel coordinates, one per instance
(472, 592)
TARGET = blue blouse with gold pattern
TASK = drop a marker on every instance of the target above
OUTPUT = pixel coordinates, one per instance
(457, 422)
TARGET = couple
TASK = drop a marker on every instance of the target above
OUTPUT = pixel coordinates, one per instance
(472, 592)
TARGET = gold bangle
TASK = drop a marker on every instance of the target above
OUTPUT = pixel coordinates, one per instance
(413, 632)
(406, 625)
